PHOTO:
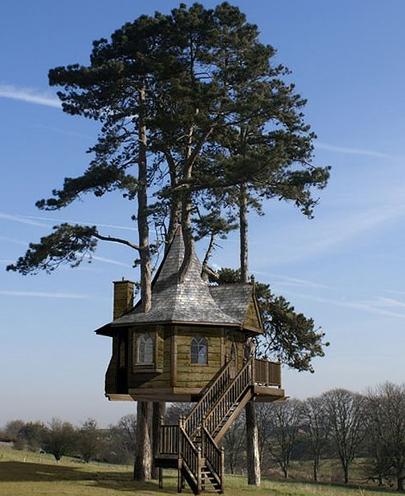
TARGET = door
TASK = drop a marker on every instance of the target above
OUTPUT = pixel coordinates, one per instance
(122, 374)
(233, 368)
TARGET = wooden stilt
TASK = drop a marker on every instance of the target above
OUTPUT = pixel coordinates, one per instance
(160, 478)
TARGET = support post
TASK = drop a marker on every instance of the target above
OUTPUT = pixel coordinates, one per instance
(158, 413)
(252, 445)
(199, 470)
(143, 452)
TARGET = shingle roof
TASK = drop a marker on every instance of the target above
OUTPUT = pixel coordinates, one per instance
(191, 301)
(233, 299)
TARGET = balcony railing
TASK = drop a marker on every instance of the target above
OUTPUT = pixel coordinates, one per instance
(267, 373)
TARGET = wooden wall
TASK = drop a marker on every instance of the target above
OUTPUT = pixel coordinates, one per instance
(173, 357)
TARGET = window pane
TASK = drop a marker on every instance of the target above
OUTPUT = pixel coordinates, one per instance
(199, 351)
(145, 349)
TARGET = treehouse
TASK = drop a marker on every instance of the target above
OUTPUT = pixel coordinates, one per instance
(192, 345)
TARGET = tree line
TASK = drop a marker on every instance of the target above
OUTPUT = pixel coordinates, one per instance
(338, 424)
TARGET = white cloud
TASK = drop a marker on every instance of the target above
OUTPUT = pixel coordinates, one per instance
(109, 261)
(284, 280)
(352, 151)
(372, 306)
(15, 241)
(33, 220)
(29, 95)
(21, 219)
(112, 226)
(42, 294)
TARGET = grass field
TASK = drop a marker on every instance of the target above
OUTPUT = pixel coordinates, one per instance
(30, 474)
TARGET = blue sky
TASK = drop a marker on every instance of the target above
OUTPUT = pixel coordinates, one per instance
(345, 268)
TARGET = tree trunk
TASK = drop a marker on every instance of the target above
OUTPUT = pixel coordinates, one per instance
(187, 234)
(315, 467)
(143, 452)
(252, 435)
(143, 227)
(252, 445)
(243, 233)
(346, 473)
(158, 412)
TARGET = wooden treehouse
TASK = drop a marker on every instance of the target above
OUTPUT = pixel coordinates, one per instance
(191, 346)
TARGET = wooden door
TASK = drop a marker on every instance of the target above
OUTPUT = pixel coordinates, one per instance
(122, 373)
(233, 369)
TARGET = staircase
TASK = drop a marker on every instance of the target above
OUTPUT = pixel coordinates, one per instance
(192, 445)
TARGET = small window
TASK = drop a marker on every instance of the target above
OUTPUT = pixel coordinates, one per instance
(145, 349)
(199, 351)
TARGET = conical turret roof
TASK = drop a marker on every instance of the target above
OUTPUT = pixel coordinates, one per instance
(189, 301)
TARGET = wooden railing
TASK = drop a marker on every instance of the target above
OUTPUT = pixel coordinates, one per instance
(267, 373)
(190, 457)
(230, 398)
(194, 419)
(213, 454)
(169, 439)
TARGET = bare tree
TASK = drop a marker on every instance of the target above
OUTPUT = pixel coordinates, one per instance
(234, 444)
(284, 420)
(89, 441)
(60, 438)
(386, 432)
(345, 417)
(315, 426)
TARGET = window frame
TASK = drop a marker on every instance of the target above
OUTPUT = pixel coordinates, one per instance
(198, 341)
(146, 335)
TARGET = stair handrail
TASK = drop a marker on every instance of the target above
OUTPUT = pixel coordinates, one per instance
(194, 419)
(213, 455)
(243, 379)
(190, 454)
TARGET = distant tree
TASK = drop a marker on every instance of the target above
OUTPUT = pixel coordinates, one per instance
(127, 427)
(60, 438)
(386, 432)
(285, 418)
(316, 428)
(89, 441)
(234, 444)
(32, 435)
(13, 427)
(177, 410)
(345, 413)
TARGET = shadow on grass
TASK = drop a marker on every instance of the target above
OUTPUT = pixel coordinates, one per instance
(12, 471)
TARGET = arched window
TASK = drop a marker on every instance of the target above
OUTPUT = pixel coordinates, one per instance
(199, 351)
(145, 349)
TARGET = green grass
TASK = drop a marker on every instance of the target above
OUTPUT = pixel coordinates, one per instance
(30, 474)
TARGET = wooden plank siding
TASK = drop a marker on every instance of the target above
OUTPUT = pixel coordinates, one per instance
(190, 375)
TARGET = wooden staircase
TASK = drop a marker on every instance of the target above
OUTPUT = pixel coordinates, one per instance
(192, 445)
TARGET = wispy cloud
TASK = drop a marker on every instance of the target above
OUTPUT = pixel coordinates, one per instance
(43, 294)
(14, 241)
(87, 223)
(109, 261)
(284, 280)
(21, 219)
(6, 261)
(29, 95)
(34, 220)
(352, 151)
(369, 306)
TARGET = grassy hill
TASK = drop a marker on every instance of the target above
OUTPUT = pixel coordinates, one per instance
(24, 473)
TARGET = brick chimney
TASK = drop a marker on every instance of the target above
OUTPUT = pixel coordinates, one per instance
(123, 297)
